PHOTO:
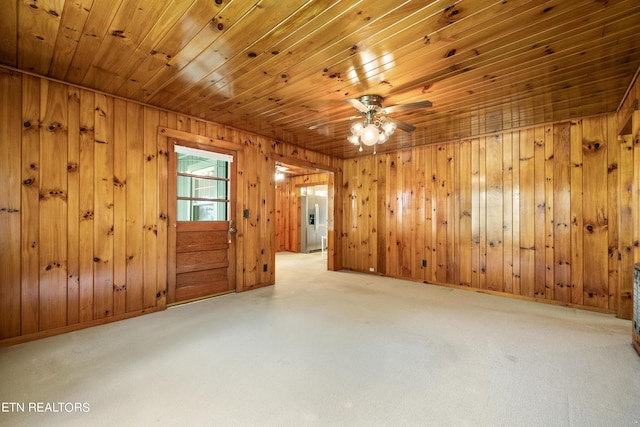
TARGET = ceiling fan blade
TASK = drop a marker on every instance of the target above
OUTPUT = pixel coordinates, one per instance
(357, 104)
(410, 106)
(344, 119)
(402, 125)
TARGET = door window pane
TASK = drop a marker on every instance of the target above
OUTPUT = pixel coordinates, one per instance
(202, 189)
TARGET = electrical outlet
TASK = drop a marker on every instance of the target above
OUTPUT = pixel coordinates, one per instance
(371, 269)
(424, 262)
(264, 268)
(245, 213)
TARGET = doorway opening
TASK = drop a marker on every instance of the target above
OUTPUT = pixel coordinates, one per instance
(304, 209)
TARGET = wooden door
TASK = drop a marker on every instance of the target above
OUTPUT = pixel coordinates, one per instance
(201, 222)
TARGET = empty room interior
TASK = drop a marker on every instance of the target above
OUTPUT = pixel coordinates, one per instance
(320, 212)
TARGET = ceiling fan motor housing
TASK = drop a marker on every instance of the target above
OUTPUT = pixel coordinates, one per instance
(373, 102)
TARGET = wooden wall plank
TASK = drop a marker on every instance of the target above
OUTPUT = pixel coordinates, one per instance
(540, 213)
(464, 235)
(626, 223)
(53, 206)
(86, 205)
(120, 206)
(30, 272)
(507, 211)
(418, 214)
(613, 183)
(561, 255)
(577, 222)
(405, 215)
(163, 215)
(10, 204)
(73, 206)
(495, 214)
(429, 198)
(549, 219)
(482, 278)
(453, 214)
(594, 149)
(391, 213)
(441, 214)
(150, 200)
(475, 212)
(135, 211)
(636, 180)
(527, 213)
(103, 227)
(363, 226)
(516, 193)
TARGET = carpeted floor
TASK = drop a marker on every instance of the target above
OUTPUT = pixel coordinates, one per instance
(332, 349)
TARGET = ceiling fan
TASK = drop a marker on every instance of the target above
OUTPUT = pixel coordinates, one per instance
(376, 127)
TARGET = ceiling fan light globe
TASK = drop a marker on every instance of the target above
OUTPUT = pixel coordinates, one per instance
(354, 139)
(357, 128)
(389, 127)
(370, 135)
(383, 137)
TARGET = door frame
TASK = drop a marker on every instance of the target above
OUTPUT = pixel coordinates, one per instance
(208, 144)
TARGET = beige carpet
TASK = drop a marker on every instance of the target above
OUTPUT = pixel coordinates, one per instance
(332, 349)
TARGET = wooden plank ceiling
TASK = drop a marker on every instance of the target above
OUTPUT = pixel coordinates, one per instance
(278, 67)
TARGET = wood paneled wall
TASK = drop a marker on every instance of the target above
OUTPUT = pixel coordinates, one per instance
(288, 209)
(547, 213)
(83, 218)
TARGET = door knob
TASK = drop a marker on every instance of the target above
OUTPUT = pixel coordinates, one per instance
(233, 230)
